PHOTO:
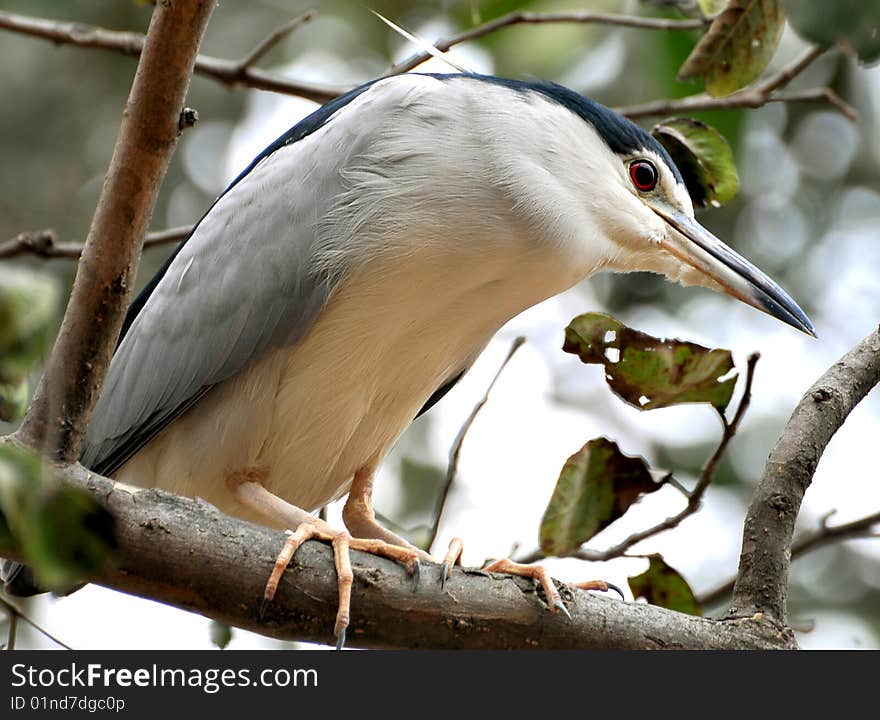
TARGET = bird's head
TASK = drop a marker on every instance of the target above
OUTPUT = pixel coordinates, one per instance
(640, 206)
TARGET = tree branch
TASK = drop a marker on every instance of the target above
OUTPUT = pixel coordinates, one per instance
(806, 543)
(187, 554)
(754, 96)
(522, 17)
(455, 452)
(694, 499)
(762, 579)
(272, 39)
(44, 243)
(227, 72)
(57, 417)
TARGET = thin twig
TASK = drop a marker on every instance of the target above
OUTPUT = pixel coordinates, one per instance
(44, 243)
(273, 38)
(755, 96)
(521, 17)
(694, 498)
(809, 541)
(16, 614)
(455, 452)
(227, 72)
(234, 73)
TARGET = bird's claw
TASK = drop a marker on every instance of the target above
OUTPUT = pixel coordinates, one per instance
(340, 639)
(616, 589)
(261, 613)
(559, 605)
(416, 574)
(444, 576)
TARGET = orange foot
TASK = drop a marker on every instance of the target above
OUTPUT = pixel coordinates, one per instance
(539, 573)
(342, 543)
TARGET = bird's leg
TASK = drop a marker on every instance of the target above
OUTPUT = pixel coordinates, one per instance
(246, 488)
(360, 520)
(539, 573)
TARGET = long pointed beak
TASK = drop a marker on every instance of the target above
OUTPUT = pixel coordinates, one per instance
(696, 246)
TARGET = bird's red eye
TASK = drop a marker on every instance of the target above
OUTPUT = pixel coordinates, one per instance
(643, 174)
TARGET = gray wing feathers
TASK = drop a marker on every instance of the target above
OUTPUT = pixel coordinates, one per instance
(242, 285)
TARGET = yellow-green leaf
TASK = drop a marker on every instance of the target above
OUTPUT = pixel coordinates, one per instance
(737, 46)
(595, 487)
(649, 372)
(854, 24)
(710, 8)
(13, 400)
(704, 158)
(27, 304)
(664, 586)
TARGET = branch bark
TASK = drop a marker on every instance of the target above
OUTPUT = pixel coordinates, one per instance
(228, 72)
(58, 416)
(762, 579)
(187, 554)
(824, 535)
(45, 244)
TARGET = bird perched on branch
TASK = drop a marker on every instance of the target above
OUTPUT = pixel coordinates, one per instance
(349, 277)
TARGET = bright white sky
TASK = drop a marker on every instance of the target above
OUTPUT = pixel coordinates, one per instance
(547, 405)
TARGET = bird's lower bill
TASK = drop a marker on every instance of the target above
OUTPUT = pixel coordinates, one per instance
(694, 245)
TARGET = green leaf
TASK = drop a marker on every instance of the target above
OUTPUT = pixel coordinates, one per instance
(13, 400)
(649, 372)
(221, 635)
(664, 586)
(27, 305)
(704, 158)
(854, 24)
(710, 8)
(737, 46)
(61, 531)
(597, 485)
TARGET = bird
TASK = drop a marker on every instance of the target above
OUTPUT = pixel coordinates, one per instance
(351, 275)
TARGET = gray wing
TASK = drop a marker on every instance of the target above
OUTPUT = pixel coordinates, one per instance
(241, 285)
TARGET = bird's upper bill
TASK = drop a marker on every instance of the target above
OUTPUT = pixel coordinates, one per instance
(695, 246)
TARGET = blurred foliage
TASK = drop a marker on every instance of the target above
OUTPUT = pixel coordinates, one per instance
(59, 530)
(62, 108)
(597, 485)
(852, 23)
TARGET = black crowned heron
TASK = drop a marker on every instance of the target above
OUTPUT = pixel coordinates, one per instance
(352, 274)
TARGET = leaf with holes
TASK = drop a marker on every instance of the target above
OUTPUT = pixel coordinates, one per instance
(597, 485)
(664, 586)
(853, 24)
(649, 372)
(737, 46)
(704, 158)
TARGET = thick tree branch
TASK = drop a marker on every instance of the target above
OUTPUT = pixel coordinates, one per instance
(762, 580)
(57, 418)
(44, 243)
(185, 553)
(826, 534)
